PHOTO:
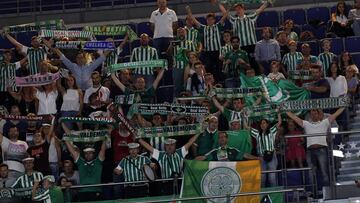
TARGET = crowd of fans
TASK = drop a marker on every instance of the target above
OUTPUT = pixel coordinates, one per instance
(200, 57)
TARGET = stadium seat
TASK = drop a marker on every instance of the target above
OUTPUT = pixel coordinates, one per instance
(144, 27)
(202, 20)
(356, 59)
(318, 13)
(121, 2)
(352, 44)
(51, 5)
(73, 4)
(98, 3)
(347, 9)
(8, 7)
(319, 31)
(297, 15)
(313, 45)
(268, 19)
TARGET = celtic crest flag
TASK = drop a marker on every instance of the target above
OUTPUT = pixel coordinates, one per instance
(216, 178)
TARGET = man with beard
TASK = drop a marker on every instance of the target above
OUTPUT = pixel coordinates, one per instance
(235, 61)
(144, 53)
(102, 91)
(179, 49)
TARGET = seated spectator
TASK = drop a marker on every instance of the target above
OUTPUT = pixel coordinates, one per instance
(267, 50)
(288, 29)
(354, 15)
(340, 24)
(345, 60)
(283, 40)
(275, 75)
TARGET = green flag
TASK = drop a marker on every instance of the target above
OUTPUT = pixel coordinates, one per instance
(240, 140)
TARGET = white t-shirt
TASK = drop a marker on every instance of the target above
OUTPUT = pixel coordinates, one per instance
(163, 23)
(338, 87)
(316, 128)
(103, 94)
(13, 153)
(47, 103)
(71, 100)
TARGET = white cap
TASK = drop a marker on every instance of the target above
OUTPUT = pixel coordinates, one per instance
(49, 178)
(170, 141)
(46, 124)
(133, 145)
(28, 159)
(89, 149)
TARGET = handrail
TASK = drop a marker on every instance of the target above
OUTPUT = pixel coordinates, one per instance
(228, 196)
(323, 134)
(171, 179)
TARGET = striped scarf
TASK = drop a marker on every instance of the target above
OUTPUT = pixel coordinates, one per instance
(89, 45)
(169, 131)
(112, 30)
(162, 63)
(36, 26)
(66, 33)
(86, 136)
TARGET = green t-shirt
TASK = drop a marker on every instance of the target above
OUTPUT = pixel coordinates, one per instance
(56, 195)
(240, 140)
(233, 69)
(224, 154)
(90, 173)
(142, 96)
(205, 142)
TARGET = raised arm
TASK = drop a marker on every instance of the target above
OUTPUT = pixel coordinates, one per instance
(102, 151)
(1, 138)
(60, 88)
(191, 142)
(13, 41)
(146, 146)
(217, 104)
(262, 8)
(75, 155)
(98, 61)
(118, 82)
(297, 120)
(17, 96)
(189, 12)
(333, 116)
(158, 78)
(224, 17)
(278, 125)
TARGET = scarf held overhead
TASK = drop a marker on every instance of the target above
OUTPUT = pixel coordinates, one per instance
(164, 109)
(170, 131)
(36, 26)
(37, 80)
(86, 136)
(160, 63)
(101, 120)
(112, 30)
(66, 33)
(89, 45)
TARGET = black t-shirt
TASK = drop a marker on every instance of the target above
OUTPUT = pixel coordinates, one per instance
(41, 155)
(319, 83)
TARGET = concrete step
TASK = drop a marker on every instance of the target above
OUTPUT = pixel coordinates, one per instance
(348, 177)
(350, 163)
(349, 170)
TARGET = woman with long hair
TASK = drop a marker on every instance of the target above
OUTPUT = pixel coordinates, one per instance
(289, 30)
(26, 99)
(340, 25)
(345, 60)
(46, 96)
(190, 69)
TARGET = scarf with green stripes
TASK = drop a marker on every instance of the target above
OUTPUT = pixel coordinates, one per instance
(234, 2)
(100, 120)
(112, 30)
(164, 109)
(66, 33)
(85, 45)
(169, 131)
(36, 26)
(86, 136)
(300, 75)
(160, 63)
(9, 193)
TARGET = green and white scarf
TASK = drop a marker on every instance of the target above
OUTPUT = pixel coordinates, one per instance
(86, 136)
(160, 63)
(261, 110)
(9, 193)
(121, 119)
(27, 118)
(36, 26)
(234, 2)
(170, 131)
(124, 99)
(164, 109)
(326, 103)
(112, 30)
(300, 75)
(85, 45)
(66, 33)
(101, 120)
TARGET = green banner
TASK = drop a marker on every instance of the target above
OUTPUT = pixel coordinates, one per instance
(112, 30)
(240, 140)
(300, 75)
(326, 103)
(101, 120)
(164, 109)
(36, 26)
(160, 63)
(86, 136)
(11, 194)
(170, 131)
(66, 33)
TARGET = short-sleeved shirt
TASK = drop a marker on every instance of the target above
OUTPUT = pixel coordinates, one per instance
(27, 181)
(205, 142)
(40, 153)
(320, 83)
(8, 72)
(170, 163)
(239, 139)
(231, 115)
(326, 59)
(290, 60)
(316, 128)
(13, 153)
(224, 154)
(34, 55)
(225, 49)
(211, 35)
(132, 168)
(192, 34)
(265, 141)
(142, 96)
(163, 23)
(90, 173)
(244, 28)
(233, 69)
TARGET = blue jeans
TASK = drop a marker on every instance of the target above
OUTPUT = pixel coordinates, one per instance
(356, 27)
(269, 166)
(319, 157)
(161, 45)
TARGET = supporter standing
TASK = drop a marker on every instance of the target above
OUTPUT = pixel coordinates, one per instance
(163, 23)
(290, 60)
(320, 87)
(226, 36)
(326, 58)
(205, 141)
(192, 34)
(295, 152)
(102, 92)
(266, 51)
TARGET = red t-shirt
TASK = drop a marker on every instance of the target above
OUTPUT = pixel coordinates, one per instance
(119, 145)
